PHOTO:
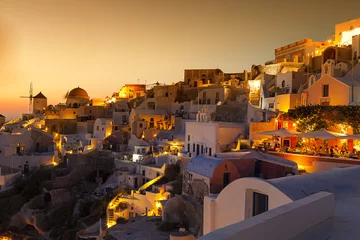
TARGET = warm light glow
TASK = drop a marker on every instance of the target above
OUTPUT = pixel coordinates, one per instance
(254, 85)
(46, 129)
(158, 204)
(55, 163)
(294, 124)
(346, 37)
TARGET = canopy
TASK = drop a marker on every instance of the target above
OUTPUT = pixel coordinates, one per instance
(355, 136)
(279, 133)
(321, 134)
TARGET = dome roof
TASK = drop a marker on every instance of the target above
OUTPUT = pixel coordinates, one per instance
(78, 93)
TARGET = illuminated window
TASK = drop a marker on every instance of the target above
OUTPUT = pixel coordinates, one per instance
(325, 92)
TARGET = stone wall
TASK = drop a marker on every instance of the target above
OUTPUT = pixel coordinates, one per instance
(231, 113)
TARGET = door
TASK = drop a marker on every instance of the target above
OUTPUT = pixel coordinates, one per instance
(286, 143)
(135, 183)
(226, 179)
(260, 203)
(210, 152)
(257, 168)
(197, 149)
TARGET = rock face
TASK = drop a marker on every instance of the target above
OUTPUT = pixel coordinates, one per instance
(185, 210)
(43, 212)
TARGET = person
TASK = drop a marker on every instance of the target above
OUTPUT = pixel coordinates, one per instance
(342, 151)
(332, 151)
(353, 154)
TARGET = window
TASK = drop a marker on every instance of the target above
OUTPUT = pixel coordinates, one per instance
(193, 147)
(260, 203)
(143, 172)
(202, 149)
(271, 105)
(197, 149)
(138, 151)
(325, 89)
(152, 123)
(204, 94)
(124, 118)
(188, 137)
(143, 150)
(190, 176)
(188, 147)
(209, 151)
(217, 98)
(283, 83)
(166, 94)
(140, 125)
(137, 95)
(157, 174)
(102, 129)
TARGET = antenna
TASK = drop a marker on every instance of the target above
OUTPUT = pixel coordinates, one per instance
(30, 97)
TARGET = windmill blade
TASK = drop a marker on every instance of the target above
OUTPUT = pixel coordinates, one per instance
(31, 90)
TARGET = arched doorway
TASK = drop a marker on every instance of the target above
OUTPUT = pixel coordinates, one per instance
(152, 123)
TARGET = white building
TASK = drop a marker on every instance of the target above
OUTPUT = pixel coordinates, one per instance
(33, 146)
(103, 127)
(321, 205)
(326, 89)
(8, 176)
(206, 137)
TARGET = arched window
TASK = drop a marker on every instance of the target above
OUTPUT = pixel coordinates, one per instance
(283, 83)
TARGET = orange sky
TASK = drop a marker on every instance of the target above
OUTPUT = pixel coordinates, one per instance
(101, 45)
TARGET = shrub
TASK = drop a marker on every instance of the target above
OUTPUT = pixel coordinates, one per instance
(166, 226)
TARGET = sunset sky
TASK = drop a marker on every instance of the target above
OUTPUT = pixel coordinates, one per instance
(101, 45)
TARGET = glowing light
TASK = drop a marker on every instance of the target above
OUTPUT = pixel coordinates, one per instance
(346, 37)
(294, 124)
(158, 205)
(254, 85)
(46, 129)
(55, 163)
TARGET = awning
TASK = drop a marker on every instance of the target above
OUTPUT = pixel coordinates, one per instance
(280, 133)
(355, 136)
(321, 134)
